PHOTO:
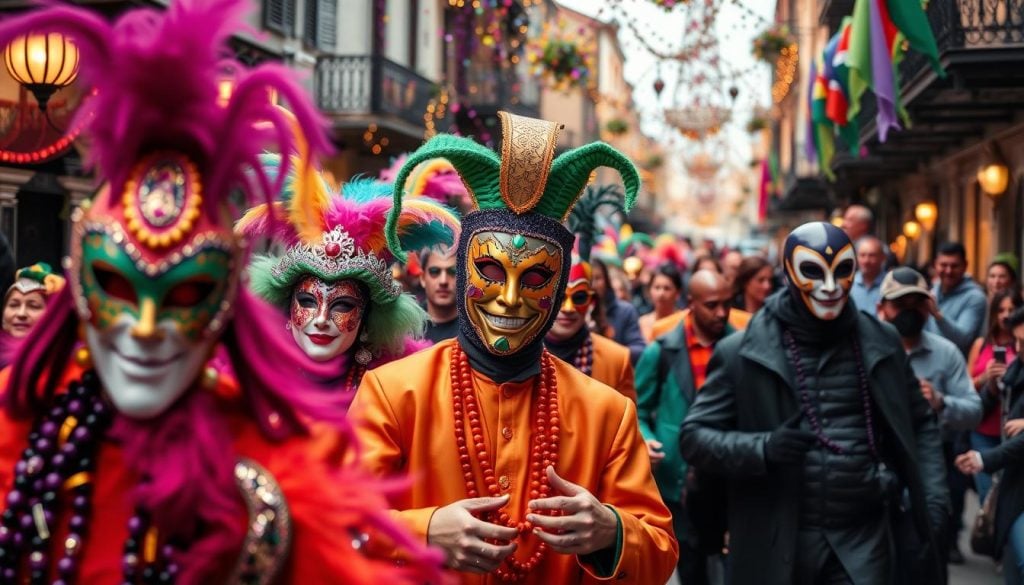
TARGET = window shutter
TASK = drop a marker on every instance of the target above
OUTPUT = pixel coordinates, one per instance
(321, 26)
(279, 16)
(327, 25)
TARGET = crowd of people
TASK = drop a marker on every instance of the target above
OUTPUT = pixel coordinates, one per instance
(393, 391)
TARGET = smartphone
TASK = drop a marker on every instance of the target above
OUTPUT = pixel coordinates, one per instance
(999, 354)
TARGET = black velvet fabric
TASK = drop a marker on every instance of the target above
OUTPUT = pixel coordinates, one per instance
(567, 349)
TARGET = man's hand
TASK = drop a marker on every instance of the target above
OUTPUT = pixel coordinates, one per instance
(789, 444)
(586, 525)
(461, 535)
(970, 463)
(1013, 427)
(933, 396)
(933, 308)
(654, 451)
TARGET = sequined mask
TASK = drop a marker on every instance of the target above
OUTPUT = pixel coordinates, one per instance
(325, 317)
(154, 288)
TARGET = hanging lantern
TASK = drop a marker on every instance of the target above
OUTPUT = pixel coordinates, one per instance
(733, 92)
(659, 86)
(43, 63)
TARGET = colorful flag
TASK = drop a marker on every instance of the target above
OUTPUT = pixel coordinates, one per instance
(909, 17)
(870, 60)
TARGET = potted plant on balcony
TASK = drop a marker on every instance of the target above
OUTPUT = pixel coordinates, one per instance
(756, 124)
(769, 44)
(668, 5)
(617, 127)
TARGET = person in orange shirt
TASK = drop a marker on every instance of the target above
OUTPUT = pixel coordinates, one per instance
(521, 467)
(738, 319)
(125, 457)
(571, 341)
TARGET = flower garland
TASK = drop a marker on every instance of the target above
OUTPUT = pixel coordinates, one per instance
(563, 58)
(768, 46)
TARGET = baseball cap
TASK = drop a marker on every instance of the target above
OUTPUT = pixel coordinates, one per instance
(904, 281)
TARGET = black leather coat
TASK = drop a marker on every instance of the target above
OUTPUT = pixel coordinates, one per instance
(750, 392)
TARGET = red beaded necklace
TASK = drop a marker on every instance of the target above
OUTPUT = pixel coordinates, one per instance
(544, 451)
(355, 376)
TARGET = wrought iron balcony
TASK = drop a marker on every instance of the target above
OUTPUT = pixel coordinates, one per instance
(371, 85)
(961, 26)
(981, 43)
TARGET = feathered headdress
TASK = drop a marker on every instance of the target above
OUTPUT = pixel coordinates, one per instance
(173, 153)
(435, 178)
(339, 235)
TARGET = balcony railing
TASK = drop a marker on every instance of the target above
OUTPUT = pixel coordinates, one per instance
(364, 84)
(968, 24)
(959, 26)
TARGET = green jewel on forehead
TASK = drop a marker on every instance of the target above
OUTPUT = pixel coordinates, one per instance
(501, 344)
(518, 241)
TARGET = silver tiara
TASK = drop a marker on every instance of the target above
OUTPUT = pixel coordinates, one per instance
(337, 253)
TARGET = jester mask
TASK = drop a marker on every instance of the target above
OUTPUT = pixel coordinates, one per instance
(820, 263)
(513, 256)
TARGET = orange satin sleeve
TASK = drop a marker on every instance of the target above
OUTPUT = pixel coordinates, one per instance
(649, 548)
(612, 366)
(379, 435)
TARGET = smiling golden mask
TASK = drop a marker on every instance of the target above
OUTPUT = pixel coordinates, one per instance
(512, 284)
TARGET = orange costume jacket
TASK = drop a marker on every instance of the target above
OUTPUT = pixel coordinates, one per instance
(612, 366)
(405, 425)
(738, 318)
(302, 466)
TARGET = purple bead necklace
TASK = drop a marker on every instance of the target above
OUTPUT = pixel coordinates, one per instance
(793, 353)
(60, 457)
(584, 360)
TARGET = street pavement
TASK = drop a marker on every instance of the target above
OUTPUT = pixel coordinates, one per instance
(976, 571)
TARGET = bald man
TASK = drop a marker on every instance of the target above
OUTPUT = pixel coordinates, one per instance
(668, 376)
(857, 222)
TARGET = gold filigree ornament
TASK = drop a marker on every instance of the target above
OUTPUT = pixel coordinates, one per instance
(527, 148)
(161, 199)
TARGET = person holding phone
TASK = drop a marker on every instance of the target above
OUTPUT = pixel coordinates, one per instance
(987, 363)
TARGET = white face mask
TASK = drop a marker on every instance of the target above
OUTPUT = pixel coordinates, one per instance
(824, 288)
(143, 378)
(325, 318)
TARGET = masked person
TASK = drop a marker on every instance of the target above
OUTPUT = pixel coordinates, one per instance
(334, 277)
(127, 460)
(571, 341)
(526, 469)
(942, 372)
(818, 421)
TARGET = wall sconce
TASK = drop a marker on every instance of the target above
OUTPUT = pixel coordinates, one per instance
(912, 230)
(42, 63)
(926, 213)
(994, 173)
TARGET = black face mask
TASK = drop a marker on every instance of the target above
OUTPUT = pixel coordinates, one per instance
(909, 323)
